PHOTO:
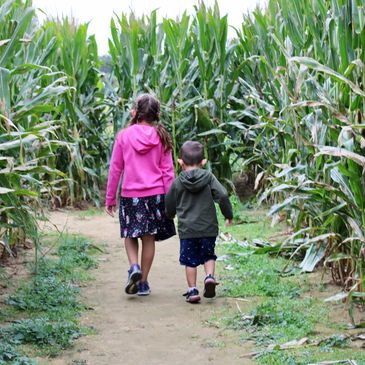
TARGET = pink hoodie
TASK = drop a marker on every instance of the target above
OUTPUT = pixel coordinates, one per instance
(147, 168)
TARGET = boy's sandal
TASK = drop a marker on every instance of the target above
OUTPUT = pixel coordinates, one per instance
(209, 286)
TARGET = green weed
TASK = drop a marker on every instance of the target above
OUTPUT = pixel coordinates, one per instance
(46, 293)
(9, 354)
(51, 301)
(281, 309)
(280, 320)
(247, 274)
(42, 332)
(249, 224)
(310, 355)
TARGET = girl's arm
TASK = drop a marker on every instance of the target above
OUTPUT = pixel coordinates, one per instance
(167, 168)
(115, 171)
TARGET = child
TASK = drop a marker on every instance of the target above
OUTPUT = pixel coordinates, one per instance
(191, 197)
(142, 153)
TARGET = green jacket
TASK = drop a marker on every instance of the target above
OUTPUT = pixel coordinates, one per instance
(191, 197)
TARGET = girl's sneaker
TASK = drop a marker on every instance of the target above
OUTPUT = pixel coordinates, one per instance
(192, 296)
(143, 289)
(134, 277)
(209, 286)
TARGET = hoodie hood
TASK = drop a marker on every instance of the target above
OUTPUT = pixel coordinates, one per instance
(195, 180)
(142, 137)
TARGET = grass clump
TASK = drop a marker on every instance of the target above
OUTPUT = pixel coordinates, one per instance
(49, 303)
(44, 333)
(284, 305)
(279, 320)
(248, 274)
(46, 294)
(308, 356)
(10, 355)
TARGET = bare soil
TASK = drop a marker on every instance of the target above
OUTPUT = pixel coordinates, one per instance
(160, 329)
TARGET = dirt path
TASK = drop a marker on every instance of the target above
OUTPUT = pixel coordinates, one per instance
(160, 329)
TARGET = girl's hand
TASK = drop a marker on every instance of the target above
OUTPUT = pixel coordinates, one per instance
(228, 222)
(110, 209)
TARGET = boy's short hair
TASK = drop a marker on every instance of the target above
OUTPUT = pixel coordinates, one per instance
(192, 153)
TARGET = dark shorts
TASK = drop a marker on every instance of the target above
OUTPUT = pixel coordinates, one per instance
(145, 216)
(197, 251)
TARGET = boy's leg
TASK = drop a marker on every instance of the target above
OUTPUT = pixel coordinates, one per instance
(192, 295)
(209, 257)
(191, 273)
(209, 267)
(148, 253)
(190, 259)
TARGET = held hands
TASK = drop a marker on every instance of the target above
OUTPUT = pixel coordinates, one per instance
(110, 210)
(228, 222)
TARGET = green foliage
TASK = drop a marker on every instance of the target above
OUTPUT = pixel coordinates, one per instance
(256, 275)
(303, 88)
(249, 223)
(283, 319)
(280, 307)
(187, 63)
(8, 353)
(45, 294)
(278, 357)
(76, 253)
(51, 301)
(42, 332)
(53, 119)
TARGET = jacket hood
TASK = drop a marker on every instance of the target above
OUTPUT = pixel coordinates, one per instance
(195, 180)
(142, 137)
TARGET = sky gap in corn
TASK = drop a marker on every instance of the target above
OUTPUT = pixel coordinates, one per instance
(99, 13)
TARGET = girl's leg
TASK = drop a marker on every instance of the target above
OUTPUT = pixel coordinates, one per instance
(191, 273)
(131, 246)
(148, 253)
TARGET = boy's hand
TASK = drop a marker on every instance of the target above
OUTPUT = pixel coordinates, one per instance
(110, 209)
(228, 222)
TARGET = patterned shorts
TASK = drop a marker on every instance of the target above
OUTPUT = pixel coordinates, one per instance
(145, 216)
(197, 251)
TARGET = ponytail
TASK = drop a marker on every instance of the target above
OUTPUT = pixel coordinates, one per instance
(165, 136)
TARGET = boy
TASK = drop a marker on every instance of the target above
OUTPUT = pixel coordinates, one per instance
(191, 197)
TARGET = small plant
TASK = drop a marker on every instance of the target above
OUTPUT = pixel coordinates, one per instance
(45, 294)
(256, 274)
(51, 301)
(42, 332)
(8, 353)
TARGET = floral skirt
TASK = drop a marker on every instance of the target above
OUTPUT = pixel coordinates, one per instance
(145, 216)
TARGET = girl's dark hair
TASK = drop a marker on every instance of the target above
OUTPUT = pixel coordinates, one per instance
(147, 108)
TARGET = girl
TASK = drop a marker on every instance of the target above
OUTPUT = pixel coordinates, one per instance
(142, 152)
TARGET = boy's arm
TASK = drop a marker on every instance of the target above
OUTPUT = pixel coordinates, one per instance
(220, 196)
(115, 170)
(170, 202)
(167, 168)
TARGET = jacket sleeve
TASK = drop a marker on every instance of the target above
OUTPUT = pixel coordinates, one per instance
(170, 202)
(115, 171)
(221, 197)
(167, 168)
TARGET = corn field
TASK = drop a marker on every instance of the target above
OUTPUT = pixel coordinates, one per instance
(283, 99)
